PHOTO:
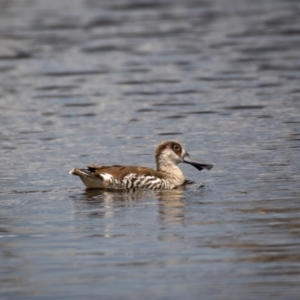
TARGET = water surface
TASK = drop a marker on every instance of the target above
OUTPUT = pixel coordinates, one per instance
(104, 82)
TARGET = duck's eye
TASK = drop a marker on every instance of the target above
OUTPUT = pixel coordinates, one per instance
(176, 148)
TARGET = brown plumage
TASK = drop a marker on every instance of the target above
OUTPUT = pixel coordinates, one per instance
(119, 172)
(167, 176)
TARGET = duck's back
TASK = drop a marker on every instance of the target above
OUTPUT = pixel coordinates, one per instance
(119, 172)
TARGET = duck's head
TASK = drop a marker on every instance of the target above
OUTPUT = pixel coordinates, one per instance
(170, 153)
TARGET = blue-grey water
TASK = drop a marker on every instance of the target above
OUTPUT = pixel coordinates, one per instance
(104, 82)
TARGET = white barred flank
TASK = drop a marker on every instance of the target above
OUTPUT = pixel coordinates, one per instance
(133, 181)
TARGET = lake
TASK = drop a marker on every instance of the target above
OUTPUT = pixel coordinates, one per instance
(103, 82)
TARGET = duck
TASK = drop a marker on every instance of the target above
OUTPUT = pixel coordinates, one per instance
(167, 176)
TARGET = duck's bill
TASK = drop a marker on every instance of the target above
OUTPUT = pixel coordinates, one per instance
(198, 164)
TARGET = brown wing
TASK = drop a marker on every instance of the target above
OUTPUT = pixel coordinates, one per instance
(121, 171)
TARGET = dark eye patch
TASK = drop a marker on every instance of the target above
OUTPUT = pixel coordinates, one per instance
(176, 148)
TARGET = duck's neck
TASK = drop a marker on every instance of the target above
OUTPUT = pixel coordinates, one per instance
(171, 171)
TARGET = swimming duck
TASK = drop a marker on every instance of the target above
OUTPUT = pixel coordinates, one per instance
(167, 175)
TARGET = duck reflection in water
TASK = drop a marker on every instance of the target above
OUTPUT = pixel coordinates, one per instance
(103, 203)
(133, 195)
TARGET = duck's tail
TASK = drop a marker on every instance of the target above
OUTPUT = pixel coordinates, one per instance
(88, 178)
